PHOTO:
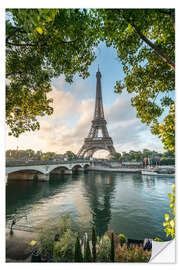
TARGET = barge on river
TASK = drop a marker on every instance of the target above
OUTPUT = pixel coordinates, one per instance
(159, 171)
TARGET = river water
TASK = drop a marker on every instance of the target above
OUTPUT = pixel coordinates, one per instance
(128, 203)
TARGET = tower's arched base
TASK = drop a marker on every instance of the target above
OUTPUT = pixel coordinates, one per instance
(91, 145)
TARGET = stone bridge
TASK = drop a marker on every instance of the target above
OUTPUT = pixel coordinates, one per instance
(39, 170)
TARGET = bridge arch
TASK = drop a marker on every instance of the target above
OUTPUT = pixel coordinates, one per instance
(86, 166)
(59, 169)
(77, 167)
(21, 169)
(25, 174)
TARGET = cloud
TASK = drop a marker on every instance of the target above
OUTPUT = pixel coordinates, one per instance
(64, 103)
(121, 110)
(60, 136)
(80, 89)
(71, 121)
(123, 126)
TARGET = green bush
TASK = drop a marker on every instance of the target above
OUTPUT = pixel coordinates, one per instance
(46, 242)
(122, 238)
(169, 223)
(64, 223)
(104, 249)
(47, 233)
(64, 248)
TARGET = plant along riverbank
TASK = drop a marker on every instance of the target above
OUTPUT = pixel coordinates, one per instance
(60, 243)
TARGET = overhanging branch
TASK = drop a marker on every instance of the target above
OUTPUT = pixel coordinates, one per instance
(155, 48)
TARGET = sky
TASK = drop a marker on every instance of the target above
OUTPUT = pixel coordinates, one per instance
(73, 112)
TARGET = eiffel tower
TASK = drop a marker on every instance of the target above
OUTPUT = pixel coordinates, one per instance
(93, 143)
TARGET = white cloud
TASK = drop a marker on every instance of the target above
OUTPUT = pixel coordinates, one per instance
(71, 121)
(64, 103)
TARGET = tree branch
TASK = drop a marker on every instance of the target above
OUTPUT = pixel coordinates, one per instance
(158, 51)
(155, 48)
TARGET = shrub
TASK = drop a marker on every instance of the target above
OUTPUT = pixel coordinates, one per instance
(169, 223)
(47, 233)
(64, 223)
(133, 254)
(122, 238)
(104, 249)
(46, 242)
(64, 248)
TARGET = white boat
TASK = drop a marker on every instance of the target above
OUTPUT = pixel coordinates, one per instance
(159, 171)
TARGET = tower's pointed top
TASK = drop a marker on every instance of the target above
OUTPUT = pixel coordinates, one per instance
(98, 73)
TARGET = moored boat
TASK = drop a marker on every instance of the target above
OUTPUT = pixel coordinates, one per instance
(170, 172)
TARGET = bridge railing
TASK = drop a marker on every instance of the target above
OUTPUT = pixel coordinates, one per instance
(41, 162)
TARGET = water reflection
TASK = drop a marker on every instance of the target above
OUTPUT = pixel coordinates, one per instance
(23, 193)
(99, 192)
(127, 203)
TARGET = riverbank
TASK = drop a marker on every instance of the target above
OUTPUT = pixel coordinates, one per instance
(18, 250)
(17, 247)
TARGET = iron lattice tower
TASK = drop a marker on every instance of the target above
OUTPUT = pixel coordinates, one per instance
(94, 142)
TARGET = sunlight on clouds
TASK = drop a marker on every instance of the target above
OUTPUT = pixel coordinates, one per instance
(60, 132)
(64, 103)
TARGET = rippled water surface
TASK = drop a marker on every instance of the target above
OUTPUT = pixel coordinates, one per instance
(131, 204)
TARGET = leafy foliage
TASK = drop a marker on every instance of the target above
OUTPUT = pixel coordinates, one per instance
(116, 156)
(47, 233)
(166, 158)
(104, 249)
(166, 130)
(122, 238)
(169, 223)
(42, 44)
(70, 155)
(132, 254)
(64, 248)
(67, 248)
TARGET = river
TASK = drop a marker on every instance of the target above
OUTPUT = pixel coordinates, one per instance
(128, 203)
